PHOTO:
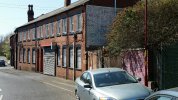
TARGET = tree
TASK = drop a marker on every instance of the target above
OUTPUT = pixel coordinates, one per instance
(127, 30)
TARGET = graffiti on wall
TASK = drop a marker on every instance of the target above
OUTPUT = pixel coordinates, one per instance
(134, 62)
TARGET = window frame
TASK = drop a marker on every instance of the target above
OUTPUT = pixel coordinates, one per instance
(78, 66)
(58, 57)
(33, 56)
(71, 57)
(28, 56)
(64, 57)
(64, 26)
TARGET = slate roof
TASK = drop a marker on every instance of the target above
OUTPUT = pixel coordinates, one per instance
(57, 11)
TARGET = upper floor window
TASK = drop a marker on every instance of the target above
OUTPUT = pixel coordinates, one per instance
(47, 30)
(38, 32)
(51, 29)
(58, 27)
(64, 26)
(33, 33)
(79, 22)
(24, 35)
(41, 31)
(28, 32)
(71, 24)
(20, 36)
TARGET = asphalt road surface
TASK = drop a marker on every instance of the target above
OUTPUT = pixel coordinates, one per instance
(21, 85)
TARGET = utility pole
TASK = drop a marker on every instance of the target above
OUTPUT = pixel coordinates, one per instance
(146, 43)
(74, 56)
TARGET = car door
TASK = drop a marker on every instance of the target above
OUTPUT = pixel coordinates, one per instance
(88, 95)
(80, 86)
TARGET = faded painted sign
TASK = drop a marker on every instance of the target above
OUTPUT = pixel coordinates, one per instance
(134, 63)
(98, 21)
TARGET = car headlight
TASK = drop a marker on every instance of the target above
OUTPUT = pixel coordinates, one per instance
(106, 98)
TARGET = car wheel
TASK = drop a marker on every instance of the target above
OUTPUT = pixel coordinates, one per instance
(76, 96)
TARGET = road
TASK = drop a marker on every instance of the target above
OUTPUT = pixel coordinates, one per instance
(22, 85)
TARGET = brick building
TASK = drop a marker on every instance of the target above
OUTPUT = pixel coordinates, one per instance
(55, 42)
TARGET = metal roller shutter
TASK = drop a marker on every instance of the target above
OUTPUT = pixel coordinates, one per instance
(49, 61)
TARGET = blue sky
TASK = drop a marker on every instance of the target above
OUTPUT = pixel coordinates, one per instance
(13, 13)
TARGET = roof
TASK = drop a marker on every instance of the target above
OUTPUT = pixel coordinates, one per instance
(103, 70)
(57, 11)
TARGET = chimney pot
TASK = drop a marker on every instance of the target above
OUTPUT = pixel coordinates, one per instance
(67, 2)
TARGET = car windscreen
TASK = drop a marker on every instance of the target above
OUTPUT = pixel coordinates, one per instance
(113, 78)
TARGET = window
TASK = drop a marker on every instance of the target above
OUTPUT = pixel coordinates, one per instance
(21, 55)
(33, 33)
(71, 57)
(64, 56)
(20, 36)
(64, 26)
(47, 30)
(163, 97)
(58, 27)
(24, 55)
(71, 24)
(33, 56)
(28, 54)
(41, 31)
(28, 34)
(79, 22)
(58, 57)
(84, 77)
(24, 36)
(51, 29)
(78, 58)
(38, 32)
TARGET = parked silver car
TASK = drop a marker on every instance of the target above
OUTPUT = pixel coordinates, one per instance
(169, 94)
(109, 84)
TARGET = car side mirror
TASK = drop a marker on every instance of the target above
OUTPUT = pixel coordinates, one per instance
(87, 86)
(139, 79)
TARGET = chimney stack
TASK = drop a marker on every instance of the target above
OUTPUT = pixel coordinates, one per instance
(67, 3)
(30, 13)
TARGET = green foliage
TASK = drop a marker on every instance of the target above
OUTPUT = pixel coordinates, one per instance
(127, 30)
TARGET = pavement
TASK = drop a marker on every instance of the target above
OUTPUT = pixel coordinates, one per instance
(23, 80)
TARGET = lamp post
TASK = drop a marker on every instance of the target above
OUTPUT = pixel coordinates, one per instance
(146, 43)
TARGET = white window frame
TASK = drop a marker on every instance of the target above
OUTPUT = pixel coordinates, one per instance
(33, 56)
(47, 30)
(24, 55)
(28, 34)
(58, 57)
(64, 56)
(71, 57)
(79, 22)
(78, 57)
(64, 26)
(52, 29)
(41, 31)
(58, 27)
(71, 24)
(28, 54)
(24, 35)
(33, 32)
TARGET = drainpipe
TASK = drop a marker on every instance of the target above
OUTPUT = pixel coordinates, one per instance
(146, 46)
